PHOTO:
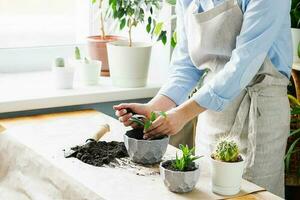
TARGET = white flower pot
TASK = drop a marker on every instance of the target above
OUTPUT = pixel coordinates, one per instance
(129, 66)
(226, 177)
(296, 40)
(63, 77)
(87, 74)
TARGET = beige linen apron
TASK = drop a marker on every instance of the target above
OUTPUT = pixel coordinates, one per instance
(259, 117)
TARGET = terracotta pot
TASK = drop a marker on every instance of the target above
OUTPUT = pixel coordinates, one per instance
(97, 50)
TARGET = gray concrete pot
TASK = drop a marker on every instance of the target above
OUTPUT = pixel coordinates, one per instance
(179, 182)
(145, 151)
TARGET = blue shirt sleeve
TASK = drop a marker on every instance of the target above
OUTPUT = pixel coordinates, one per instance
(262, 23)
(183, 76)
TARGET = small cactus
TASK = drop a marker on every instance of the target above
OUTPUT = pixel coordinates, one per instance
(59, 62)
(227, 151)
(77, 53)
(86, 61)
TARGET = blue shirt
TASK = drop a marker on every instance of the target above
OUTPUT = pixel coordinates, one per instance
(265, 32)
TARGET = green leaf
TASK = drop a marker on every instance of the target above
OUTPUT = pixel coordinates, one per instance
(148, 28)
(147, 125)
(171, 2)
(137, 121)
(289, 153)
(123, 23)
(162, 113)
(153, 116)
(158, 28)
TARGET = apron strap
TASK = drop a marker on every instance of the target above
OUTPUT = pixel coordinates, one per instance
(249, 108)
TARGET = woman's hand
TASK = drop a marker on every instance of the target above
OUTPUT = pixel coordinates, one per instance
(175, 120)
(124, 116)
(170, 124)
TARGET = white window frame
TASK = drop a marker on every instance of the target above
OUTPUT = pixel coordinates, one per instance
(38, 58)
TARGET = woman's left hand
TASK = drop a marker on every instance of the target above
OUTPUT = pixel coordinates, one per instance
(166, 125)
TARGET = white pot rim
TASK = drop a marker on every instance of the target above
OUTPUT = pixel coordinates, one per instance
(125, 44)
(178, 172)
(295, 29)
(227, 163)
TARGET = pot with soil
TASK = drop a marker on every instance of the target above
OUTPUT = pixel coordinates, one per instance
(227, 168)
(145, 151)
(181, 175)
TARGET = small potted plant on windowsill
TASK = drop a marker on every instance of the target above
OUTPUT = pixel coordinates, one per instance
(63, 75)
(141, 150)
(129, 61)
(87, 70)
(182, 174)
(227, 168)
(97, 44)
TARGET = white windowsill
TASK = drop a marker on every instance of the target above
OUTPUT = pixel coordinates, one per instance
(35, 90)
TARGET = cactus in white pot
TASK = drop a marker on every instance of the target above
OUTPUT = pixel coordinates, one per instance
(63, 75)
(88, 71)
(227, 167)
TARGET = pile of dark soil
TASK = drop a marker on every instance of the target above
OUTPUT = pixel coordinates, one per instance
(168, 165)
(100, 153)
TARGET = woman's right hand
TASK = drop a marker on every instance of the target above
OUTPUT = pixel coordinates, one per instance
(124, 116)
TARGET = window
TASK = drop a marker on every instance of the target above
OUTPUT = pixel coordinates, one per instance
(33, 23)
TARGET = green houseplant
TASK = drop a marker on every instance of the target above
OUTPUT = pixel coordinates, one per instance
(97, 44)
(129, 60)
(295, 25)
(62, 75)
(182, 174)
(227, 167)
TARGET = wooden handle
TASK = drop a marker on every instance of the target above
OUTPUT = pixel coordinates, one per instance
(2, 129)
(102, 131)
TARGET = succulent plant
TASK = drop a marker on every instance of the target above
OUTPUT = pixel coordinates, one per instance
(59, 62)
(227, 151)
(183, 163)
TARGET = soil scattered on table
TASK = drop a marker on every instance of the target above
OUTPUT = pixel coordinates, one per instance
(169, 165)
(139, 133)
(100, 153)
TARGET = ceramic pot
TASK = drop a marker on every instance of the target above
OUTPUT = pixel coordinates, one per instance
(129, 66)
(145, 151)
(87, 74)
(177, 181)
(98, 51)
(296, 40)
(226, 176)
(63, 77)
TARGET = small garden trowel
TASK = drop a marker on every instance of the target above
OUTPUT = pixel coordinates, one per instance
(69, 152)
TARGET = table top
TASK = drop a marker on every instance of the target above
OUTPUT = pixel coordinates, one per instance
(46, 135)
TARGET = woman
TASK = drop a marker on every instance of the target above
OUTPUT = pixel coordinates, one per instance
(246, 47)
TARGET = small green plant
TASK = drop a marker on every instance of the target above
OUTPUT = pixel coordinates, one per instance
(295, 14)
(227, 151)
(293, 148)
(77, 53)
(131, 13)
(59, 62)
(146, 123)
(183, 163)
